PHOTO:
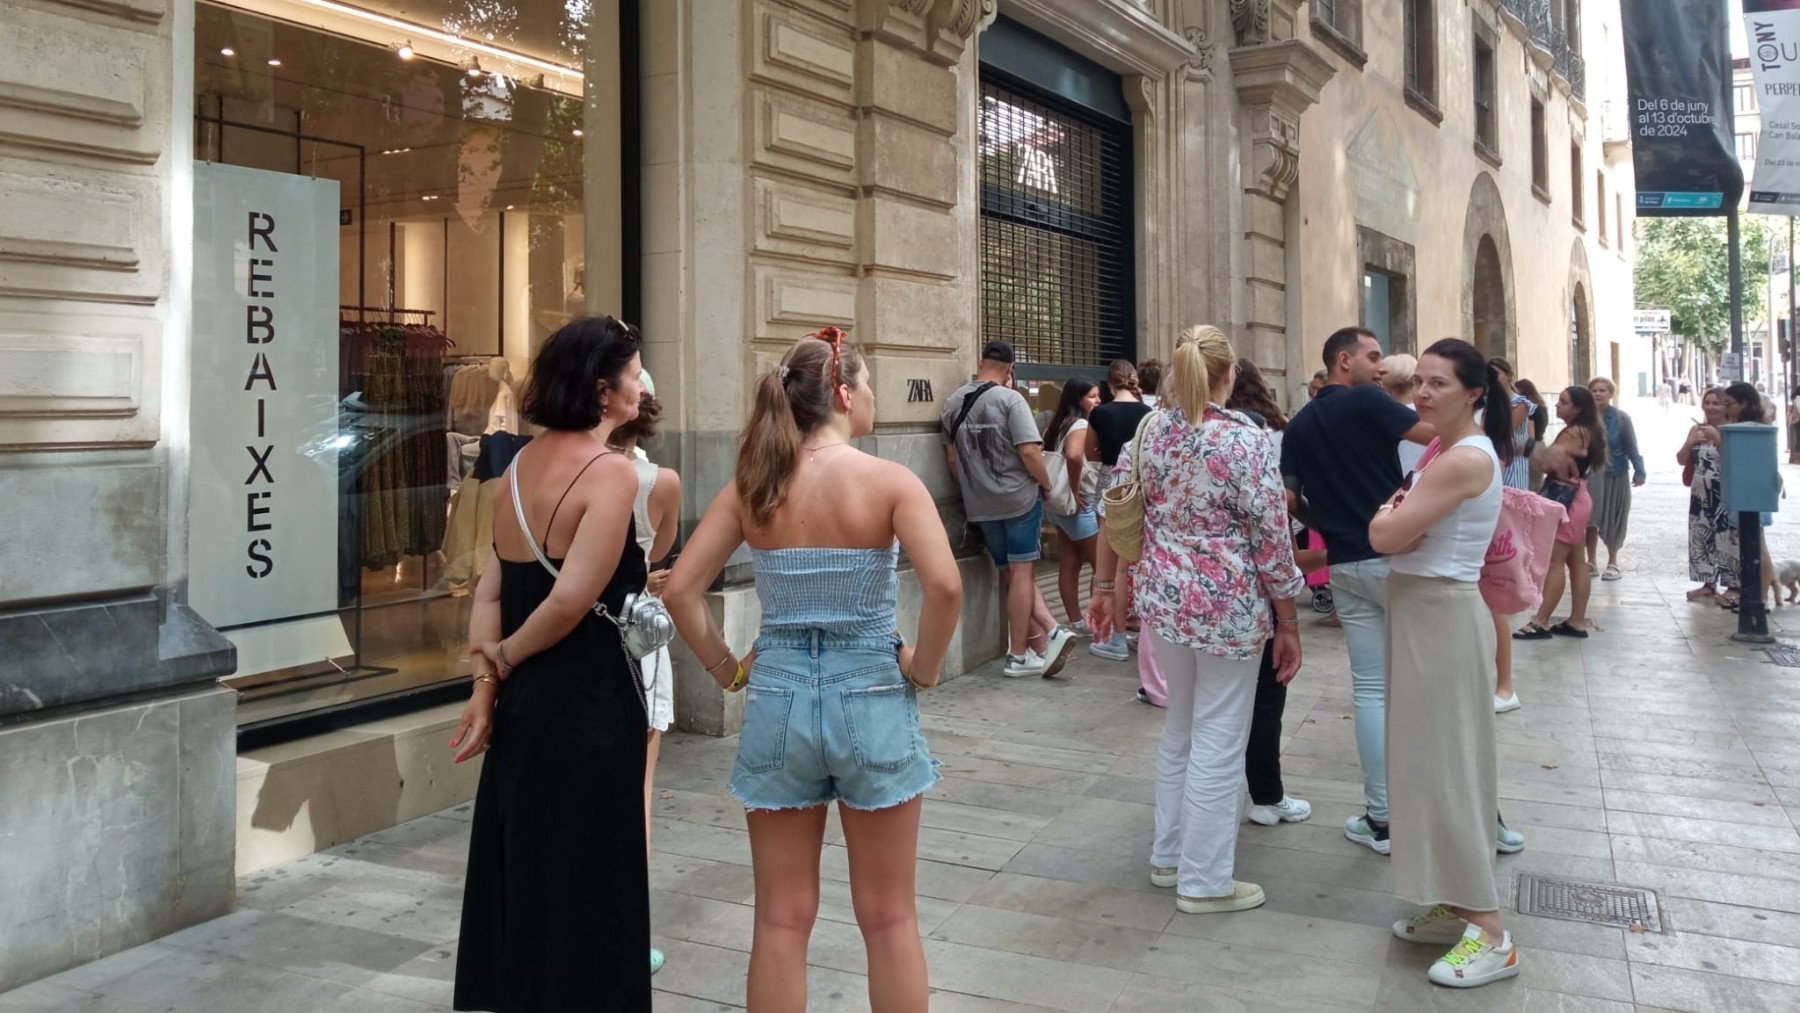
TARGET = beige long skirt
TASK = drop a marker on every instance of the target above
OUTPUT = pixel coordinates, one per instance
(1443, 798)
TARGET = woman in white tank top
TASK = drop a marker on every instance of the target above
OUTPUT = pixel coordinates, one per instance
(1442, 788)
(657, 512)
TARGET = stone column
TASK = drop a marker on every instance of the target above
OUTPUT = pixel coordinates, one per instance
(804, 165)
(117, 745)
(1276, 82)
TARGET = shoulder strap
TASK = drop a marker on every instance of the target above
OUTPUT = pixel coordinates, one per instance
(1137, 447)
(519, 507)
(969, 405)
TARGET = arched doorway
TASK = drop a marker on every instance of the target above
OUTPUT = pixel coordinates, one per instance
(1488, 327)
(1488, 317)
(1581, 338)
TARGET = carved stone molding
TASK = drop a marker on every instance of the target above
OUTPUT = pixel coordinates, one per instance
(1276, 83)
(1250, 21)
(956, 18)
(1201, 40)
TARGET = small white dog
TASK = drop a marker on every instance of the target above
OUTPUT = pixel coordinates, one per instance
(1787, 574)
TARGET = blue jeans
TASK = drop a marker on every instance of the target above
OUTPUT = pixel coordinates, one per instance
(1015, 539)
(829, 717)
(1360, 591)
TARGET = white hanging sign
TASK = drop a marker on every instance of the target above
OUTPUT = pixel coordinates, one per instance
(263, 494)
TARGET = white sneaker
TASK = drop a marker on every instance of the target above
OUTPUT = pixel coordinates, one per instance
(1476, 960)
(1057, 650)
(1020, 666)
(1080, 629)
(1163, 877)
(1437, 926)
(1288, 810)
(1243, 897)
(1506, 704)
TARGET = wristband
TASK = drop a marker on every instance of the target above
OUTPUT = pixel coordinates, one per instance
(1105, 585)
(738, 680)
(1288, 621)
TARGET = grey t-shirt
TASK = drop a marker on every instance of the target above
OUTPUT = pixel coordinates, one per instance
(995, 484)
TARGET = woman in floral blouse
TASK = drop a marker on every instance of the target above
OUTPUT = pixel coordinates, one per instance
(1217, 556)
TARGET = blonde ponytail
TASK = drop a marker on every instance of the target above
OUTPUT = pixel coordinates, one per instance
(1202, 352)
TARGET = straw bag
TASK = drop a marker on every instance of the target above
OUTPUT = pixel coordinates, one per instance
(1125, 503)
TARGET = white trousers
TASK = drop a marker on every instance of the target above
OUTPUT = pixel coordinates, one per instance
(1200, 765)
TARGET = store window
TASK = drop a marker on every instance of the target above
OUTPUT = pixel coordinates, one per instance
(391, 212)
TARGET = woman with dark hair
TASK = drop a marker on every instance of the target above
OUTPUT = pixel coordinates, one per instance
(1584, 437)
(1077, 534)
(1270, 804)
(1150, 373)
(1709, 525)
(831, 710)
(1741, 402)
(1540, 425)
(1113, 423)
(656, 515)
(556, 907)
(1441, 763)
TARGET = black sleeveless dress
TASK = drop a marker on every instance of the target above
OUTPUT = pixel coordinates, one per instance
(556, 907)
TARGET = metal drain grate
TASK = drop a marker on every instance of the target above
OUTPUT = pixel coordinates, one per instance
(1785, 655)
(1597, 903)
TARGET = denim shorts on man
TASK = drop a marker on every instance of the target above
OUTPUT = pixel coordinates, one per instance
(829, 717)
(1017, 539)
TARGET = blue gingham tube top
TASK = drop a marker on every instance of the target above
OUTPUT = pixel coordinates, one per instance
(851, 592)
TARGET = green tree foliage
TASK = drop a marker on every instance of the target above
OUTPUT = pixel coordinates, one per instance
(1683, 266)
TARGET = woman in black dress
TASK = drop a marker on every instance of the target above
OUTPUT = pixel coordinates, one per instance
(556, 908)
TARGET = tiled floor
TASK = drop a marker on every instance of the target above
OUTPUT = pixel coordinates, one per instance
(1656, 754)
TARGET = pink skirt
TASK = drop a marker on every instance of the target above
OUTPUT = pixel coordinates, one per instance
(1574, 530)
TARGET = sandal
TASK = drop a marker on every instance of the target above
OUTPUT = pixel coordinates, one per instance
(1729, 600)
(1532, 631)
(1701, 593)
(1611, 572)
(1563, 629)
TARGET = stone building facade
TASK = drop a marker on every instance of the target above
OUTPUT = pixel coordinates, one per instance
(1083, 176)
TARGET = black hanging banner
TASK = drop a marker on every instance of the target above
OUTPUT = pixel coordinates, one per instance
(1678, 74)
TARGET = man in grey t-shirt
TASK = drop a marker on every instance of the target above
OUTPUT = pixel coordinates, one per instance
(994, 450)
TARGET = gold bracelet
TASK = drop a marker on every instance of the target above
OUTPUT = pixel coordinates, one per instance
(500, 649)
(738, 681)
(487, 677)
(714, 667)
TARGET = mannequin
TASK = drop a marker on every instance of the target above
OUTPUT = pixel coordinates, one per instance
(503, 414)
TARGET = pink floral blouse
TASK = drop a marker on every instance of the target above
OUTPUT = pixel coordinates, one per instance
(1216, 542)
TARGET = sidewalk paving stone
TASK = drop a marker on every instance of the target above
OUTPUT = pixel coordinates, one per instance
(1655, 754)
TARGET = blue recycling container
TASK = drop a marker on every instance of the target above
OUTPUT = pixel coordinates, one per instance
(1749, 477)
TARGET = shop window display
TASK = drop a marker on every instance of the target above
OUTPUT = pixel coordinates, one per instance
(460, 218)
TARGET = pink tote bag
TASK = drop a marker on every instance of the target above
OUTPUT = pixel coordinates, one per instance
(1518, 558)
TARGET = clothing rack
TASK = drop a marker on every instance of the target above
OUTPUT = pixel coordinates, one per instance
(391, 311)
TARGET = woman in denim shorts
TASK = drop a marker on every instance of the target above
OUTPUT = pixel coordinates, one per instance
(831, 707)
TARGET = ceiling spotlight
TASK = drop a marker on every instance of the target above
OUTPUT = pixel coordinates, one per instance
(429, 196)
(396, 151)
(405, 52)
(576, 131)
(228, 51)
(274, 63)
(509, 207)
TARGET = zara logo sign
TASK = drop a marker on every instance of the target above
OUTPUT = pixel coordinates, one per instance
(919, 390)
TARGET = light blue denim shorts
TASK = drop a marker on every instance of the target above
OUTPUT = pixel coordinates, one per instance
(1078, 526)
(829, 717)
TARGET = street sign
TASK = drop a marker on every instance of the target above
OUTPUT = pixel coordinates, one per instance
(1650, 321)
(1731, 367)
